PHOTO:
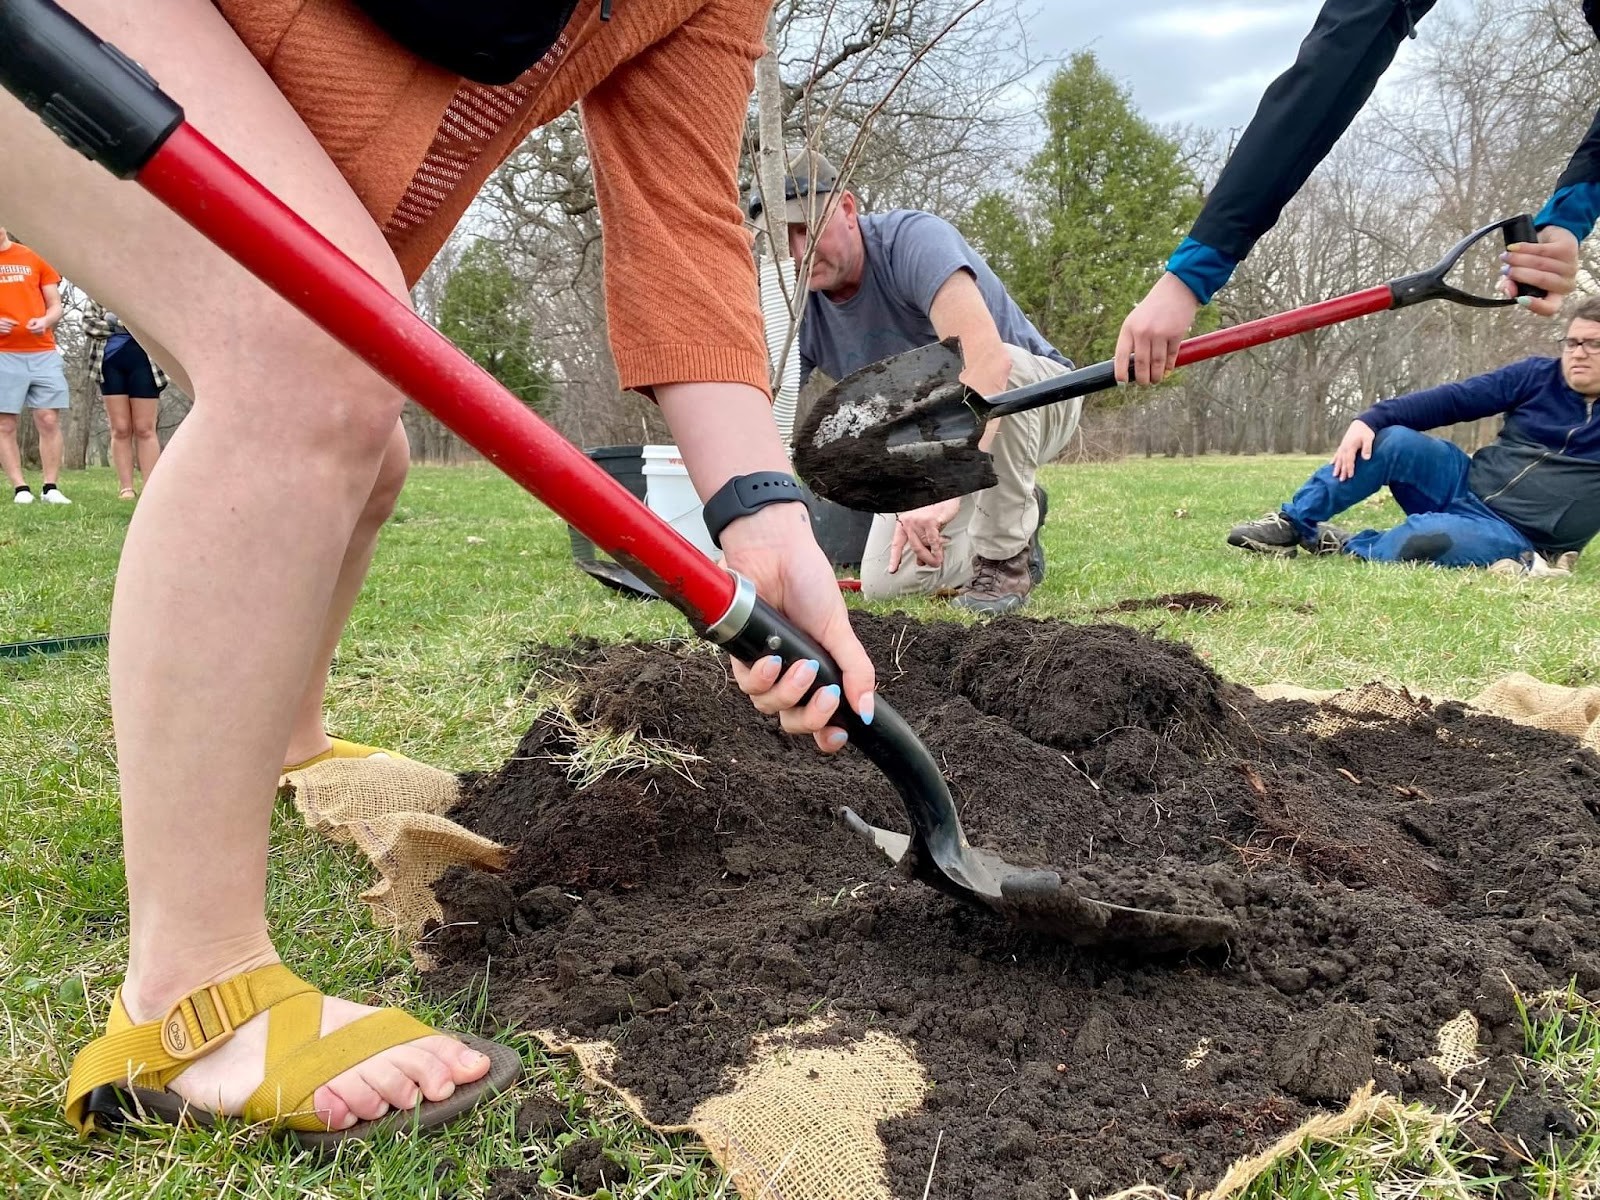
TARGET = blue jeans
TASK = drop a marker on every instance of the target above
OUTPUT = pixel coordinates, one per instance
(1445, 523)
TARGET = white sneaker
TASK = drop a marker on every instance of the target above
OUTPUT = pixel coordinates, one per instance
(54, 496)
(23, 497)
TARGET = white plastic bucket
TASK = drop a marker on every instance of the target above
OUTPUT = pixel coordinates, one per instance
(671, 496)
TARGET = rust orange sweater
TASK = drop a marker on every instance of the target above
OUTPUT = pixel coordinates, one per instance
(663, 88)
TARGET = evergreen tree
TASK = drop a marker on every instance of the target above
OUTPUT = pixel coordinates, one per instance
(480, 312)
(1098, 209)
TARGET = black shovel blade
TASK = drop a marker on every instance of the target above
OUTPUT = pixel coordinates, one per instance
(618, 578)
(1038, 899)
(896, 435)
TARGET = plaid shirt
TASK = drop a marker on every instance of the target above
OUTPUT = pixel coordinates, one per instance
(98, 326)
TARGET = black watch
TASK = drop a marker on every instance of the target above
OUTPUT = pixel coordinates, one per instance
(744, 494)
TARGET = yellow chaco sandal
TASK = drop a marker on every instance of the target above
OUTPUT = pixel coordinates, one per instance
(344, 749)
(125, 1072)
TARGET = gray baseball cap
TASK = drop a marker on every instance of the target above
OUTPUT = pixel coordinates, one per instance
(811, 177)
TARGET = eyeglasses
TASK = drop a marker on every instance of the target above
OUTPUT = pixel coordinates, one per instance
(1570, 344)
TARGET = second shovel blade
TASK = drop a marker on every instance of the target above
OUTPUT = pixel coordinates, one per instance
(895, 435)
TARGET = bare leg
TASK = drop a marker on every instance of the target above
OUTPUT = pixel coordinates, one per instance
(10, 452)
(309, 737)
(48, 422)
(120, 418)
(145, 442)
(212, 550)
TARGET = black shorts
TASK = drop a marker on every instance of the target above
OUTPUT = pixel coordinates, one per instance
(128, 373)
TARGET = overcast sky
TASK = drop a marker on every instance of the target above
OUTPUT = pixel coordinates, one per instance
(1185, 60)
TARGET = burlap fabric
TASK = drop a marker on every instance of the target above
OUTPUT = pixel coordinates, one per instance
(800, 1122)
(392, 810)
(1457, 1045)
(1574, 711)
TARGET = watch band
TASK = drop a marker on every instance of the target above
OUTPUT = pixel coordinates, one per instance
(744, 494)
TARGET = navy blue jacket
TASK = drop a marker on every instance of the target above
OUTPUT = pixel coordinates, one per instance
(1302, 115)
(1542, 474)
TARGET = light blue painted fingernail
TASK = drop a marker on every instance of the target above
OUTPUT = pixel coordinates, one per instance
(812, 665)
(865, 711)
(1525, 301)
(831, 690)
(838, 738)
(1505, 270)
(773, 661)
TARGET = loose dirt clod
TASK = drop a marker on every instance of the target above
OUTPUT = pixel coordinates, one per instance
(1171, 601)
(708, 912)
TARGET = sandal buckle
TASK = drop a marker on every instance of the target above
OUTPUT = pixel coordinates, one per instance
(175, 1037)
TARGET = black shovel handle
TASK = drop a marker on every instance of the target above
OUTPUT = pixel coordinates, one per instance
(92, 95)
(1397, 293)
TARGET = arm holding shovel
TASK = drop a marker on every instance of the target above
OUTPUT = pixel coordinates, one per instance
(958, 311)
(1301, 117)
(679, 278)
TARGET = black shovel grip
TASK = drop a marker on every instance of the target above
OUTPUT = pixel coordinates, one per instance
(889, 742)
(1099, 377)
(93, 96)
(1520, 229)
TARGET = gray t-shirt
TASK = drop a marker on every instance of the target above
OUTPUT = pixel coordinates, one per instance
(910, 255)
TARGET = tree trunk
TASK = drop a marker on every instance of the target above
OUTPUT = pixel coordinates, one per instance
(80, 423)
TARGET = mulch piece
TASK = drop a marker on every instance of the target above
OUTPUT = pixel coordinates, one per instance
(1384, 879)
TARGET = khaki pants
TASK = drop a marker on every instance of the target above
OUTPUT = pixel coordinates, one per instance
(996, 523)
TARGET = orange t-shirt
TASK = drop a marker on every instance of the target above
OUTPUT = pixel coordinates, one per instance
(23, 278)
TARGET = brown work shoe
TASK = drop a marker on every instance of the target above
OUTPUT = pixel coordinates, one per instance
(997, 587)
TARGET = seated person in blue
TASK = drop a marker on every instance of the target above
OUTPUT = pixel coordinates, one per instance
(1534, 490)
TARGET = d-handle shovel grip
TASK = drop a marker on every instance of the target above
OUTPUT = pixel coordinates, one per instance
(93, 96)
(1431, 285)
(753, 630)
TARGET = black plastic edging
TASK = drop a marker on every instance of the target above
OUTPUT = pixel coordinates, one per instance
(82, 641)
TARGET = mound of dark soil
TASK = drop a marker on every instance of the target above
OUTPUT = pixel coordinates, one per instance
(1384, 879)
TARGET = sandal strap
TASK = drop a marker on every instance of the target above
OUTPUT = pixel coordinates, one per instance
(153, 1054)
(341, 748)
(304, 1064)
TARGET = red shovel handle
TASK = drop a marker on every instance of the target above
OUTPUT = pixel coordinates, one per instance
(1102, 376)
(1397, 293)
(1281, 325)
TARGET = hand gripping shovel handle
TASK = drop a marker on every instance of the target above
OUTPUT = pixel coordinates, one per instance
(104, 105)
(1397, 293)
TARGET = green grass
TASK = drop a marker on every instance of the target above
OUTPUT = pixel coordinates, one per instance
(469, 573)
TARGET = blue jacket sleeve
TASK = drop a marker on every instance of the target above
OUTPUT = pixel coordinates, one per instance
(1576, 201)
(1449, 403)
(1301, 116)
